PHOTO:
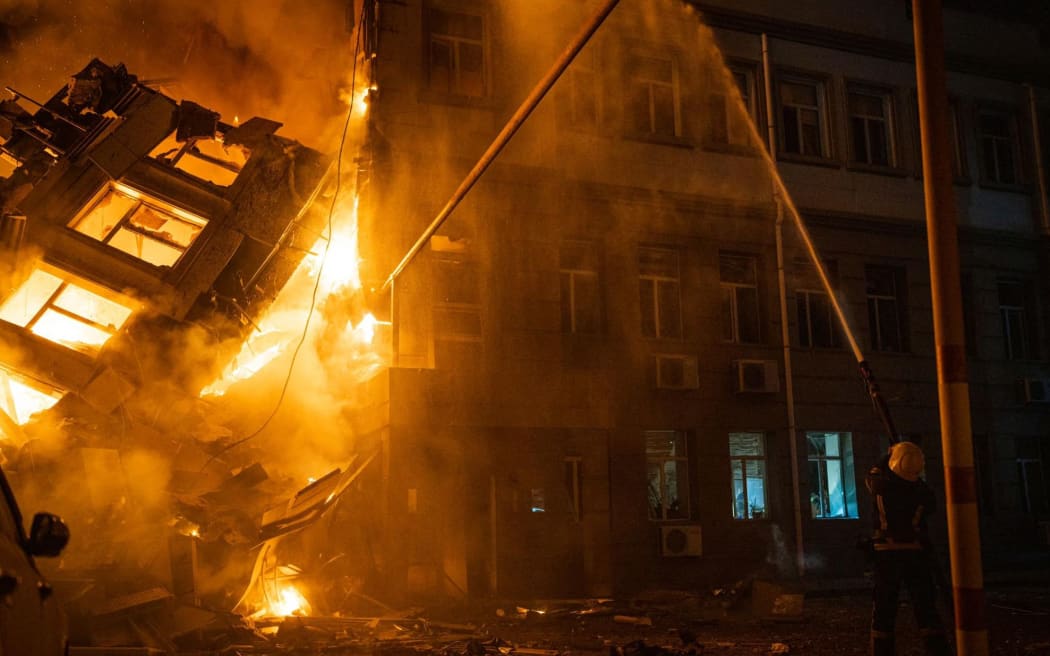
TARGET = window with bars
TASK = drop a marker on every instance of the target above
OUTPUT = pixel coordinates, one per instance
(998, 147)
(139, 225)
(803, 116)
(581, 307)
(738, 279)
(652, 102)
(832, 486)
(66, 310)
(871, 126)
(659, 293)
(456, 52)
(747, 467)
(667, 474)
(886, 308)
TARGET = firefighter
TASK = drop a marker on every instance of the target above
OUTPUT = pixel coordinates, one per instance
(901, 503)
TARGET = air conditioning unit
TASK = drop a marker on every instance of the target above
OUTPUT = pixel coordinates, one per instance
(676, 372)
(680, 540)
(1034, 390)
(757, 376)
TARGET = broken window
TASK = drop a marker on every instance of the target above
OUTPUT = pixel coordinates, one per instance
(456, 52)
(141, 226)
(803, 117)
(738, 278)
(832, 488)
(652, 96)
(581, 302)
(22, 397)
(205, 159)
(747, 465)
(658, 286)
(64, 309)
(667, 473)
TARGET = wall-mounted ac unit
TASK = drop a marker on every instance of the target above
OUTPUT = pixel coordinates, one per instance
(1034, 390)
(756, 376)
(680, 540)
(676, 372)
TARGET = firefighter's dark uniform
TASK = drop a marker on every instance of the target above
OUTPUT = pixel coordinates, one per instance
(900, 507)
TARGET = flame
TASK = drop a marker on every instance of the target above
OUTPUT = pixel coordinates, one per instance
(289, 602)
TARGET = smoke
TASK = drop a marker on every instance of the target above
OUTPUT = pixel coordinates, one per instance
(274, 59)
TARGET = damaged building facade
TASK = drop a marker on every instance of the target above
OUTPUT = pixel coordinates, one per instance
(588, 391)
(142, 237)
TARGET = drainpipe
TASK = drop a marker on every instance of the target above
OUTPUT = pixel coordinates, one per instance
(785, 336)
(1044, 204)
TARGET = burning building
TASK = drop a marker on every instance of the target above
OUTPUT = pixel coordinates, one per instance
(611, 368)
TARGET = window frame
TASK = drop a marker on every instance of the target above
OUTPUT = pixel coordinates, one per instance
(629, 80)
(805, 275)
(899, 299)
(682, 477)
(743, 460)
(463, 306)
(586, 64)
(734, 289)
(847, 473)
(656, 280)
(720, 101)
(140, 199)
(887, 96)
(589, 248)
(455, 92)
(1012, 141)
(1027, 318)
(822, 84)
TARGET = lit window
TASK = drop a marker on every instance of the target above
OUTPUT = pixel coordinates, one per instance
(667, 474)
(456, 53)
(21, 397)
(885, 287)
(870, 125)
(580, 289)
(998, 147)
(832, 488)
(658, 285)
(738, 278)
(62, 309)
(817, 324)
(802, 113)
(145, 228)
(1019, 337)
(205, 159)
(747, 464)
(652, 96)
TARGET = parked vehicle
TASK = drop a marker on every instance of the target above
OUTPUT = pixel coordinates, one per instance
(31, 620)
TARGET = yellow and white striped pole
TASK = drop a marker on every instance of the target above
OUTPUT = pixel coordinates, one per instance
(971, 633)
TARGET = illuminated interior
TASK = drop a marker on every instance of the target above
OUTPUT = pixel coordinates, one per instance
(21, 398)
(62, 309)
(140, 226)
(205, 159)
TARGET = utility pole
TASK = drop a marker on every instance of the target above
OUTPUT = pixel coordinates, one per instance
(953, 390)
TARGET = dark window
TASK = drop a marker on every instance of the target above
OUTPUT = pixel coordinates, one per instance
(581, 306)
(583, 107)
(1019, 338)
(730, 121)
(738, 276)
(998, 147)
(870, 125)
(658, 287)
(817, 324)
(886, 307)
(802, 117)
(456, 53)
(652, 96)
(1031, 476)
(667, 474)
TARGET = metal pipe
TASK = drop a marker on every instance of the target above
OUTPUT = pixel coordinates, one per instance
(1044, 203)
(785, 333)
(971, 630)
(503, 138)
